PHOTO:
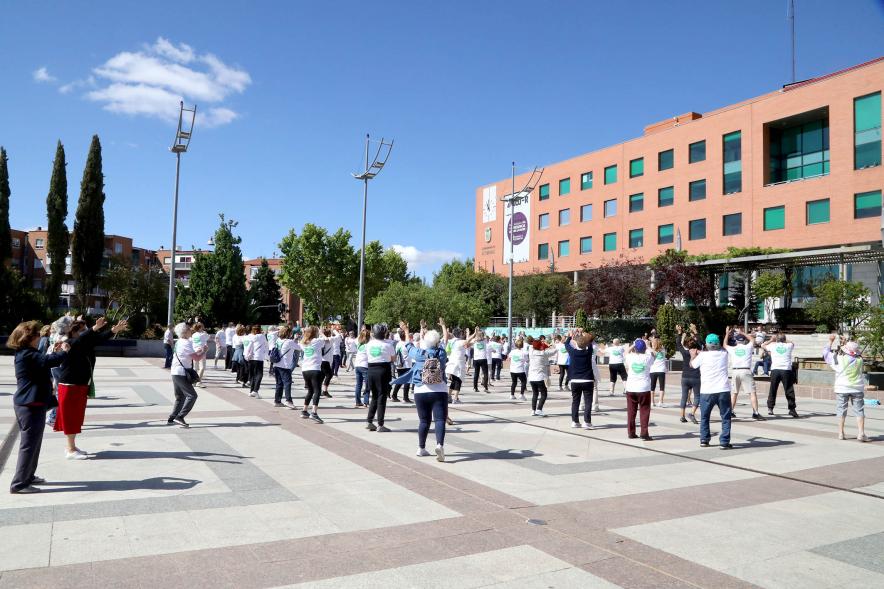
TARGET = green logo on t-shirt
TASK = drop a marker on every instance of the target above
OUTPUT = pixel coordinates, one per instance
(617, 352)
(375, 351)
(638, 367)
(517, 357)
(740, 352)
(659, 355)
(781, 349)
(361, 348)
(480, 346)
(308, 352)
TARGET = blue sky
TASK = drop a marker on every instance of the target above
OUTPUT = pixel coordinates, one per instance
(291, 88)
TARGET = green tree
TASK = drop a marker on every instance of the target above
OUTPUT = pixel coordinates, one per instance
(462, 277)
(667, 318)
(540, 295)
(58, 238)
(416, 302)
(321, 269)
(383, 267)
(769, 287)
(135, 291)
(264, 295)
(839, 304)
(18, 301)
(871, 333)
(5, 232)
(87, 240)
(216, 290)
(677, 279)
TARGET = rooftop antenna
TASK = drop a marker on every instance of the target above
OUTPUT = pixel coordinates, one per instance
(791, 16)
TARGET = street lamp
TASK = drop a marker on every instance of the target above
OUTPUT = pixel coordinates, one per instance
(512, 200)
(371, 170)
(179, 146)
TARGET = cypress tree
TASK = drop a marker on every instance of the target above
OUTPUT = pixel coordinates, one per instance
(5, 233)
(87, 240)
(58, 239)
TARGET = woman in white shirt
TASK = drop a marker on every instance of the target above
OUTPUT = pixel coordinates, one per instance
(200, 341)
(658, 370)
(850, 384)
(638, 388)
(240, 366)
(182, 359)
(311, 369)
(360, 364)
(456, 348)
(350, 346)
(283, 369)
(380, 353)
(403, 364)
(562, 360)
(539, 355)
(518, 366)
(496, 349)
(255, 352)
(480, 361)
(615, 353)
(220, 346)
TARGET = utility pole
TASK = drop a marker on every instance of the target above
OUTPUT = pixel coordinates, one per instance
(182, 142)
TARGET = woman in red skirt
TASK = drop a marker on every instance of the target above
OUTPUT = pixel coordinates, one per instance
(75, 377)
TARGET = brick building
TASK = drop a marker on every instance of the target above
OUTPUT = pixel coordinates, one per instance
(295, 308)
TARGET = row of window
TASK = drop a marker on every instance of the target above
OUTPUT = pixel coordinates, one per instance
(865, 204)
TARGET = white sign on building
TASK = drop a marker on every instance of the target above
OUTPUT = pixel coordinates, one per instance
(517, 226)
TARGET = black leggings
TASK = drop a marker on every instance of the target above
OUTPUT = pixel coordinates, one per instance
(563, 374)
(519, 377)
(658, 377)
(379, 376)
(326, 370)
(496, 365)
(477, 366)
(313, 384)
(538, 388)
(615, 370)
(690, 385)
(400, 372)
(256, 373)
(578, 390)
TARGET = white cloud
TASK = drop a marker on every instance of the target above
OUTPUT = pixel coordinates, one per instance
(418, 259)
(42, 75)
(152, 82)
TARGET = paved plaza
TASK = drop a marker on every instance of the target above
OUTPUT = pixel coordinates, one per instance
(253, 496)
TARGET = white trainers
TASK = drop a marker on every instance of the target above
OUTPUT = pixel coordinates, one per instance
(440, 453)
(596, 409)
(76, 455)
(588, 426)
(575, 424)
(422, 452)
(512, 397)
(840, 435)
(862, 438)
(539, 413)
(663, 405)
(522, 398)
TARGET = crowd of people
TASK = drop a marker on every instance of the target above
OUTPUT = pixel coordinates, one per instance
(55, 374)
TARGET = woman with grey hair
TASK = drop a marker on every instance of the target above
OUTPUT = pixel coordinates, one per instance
(182, 360)
(847, 362)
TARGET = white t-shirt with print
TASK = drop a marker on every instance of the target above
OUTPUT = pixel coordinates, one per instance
(457, 358)
(480, 350)
(380, 351)
(638, 373)
(615, 354)
(781, 355)
(312, 359)
(518, 360)
(713, 371)
(741, 356)
(659, 364)
(561, 354)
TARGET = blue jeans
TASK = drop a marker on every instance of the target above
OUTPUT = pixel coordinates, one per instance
(169, 352)
(435, 405)
(361, 392)
(283, 384)
(723, 402)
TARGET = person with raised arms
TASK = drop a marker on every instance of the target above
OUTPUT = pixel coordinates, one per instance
(715, 390)
(616, 353)
(581, 352)
(312, 347)
(480, 361)
(539, 356)
(282, 368)
(380, 352)
(456, 348)
(740, 353)
(781, 372)
(518, 357)
(360, 364)
(638, 362)
(690, 377)
(847, 362)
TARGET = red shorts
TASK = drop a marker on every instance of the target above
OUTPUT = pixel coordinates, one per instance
(71, 408)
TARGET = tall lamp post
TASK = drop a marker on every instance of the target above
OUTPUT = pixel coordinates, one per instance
(371, 170)
(512, 200)
(179, 146)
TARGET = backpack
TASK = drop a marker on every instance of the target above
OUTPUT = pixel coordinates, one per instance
(431, 373)
(275, 356)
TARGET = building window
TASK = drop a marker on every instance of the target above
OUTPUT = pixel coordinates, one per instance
(818, 211)
(564, 248)
(636, 202)
(585, 245)
(666, 159)
(697, 229)
(637, 167)
(665, 233)
(610, 242)
(867, 204)
(697, 152)
(564, 186)
(586, 213)
(611, 207)
(732, 224)
(564, 217)
(611, 174)
(775, 218)
(543, 221)
(586, 181)
(733, 163)
(16, 243)
(38, 263)
(118, 247)
(697, 190)
(636, 238)
(544, 191)
(253, 271)
(167, 260)
(38, 243)
(867, 131)
(543, 251)
(666, 197)
(799, 149)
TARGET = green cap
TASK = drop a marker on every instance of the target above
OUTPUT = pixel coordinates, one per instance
(712, 339)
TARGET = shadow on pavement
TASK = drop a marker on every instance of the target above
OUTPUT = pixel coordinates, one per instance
(153, 484)
(147, 454)
(194, 425)
(510, 454)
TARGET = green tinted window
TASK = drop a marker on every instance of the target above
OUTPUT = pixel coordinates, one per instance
(665, 159)
(867, 129)
(732, 224)
(636, 202)
(697, 190)
(697, 229)
(611, 174)
(585, 245)
(585, 180)
(733, 164)
(818, 211)
(665, 233)
(637, 167)
(666, 196)
(542, 251)
(610, 243)
(636, 237)
(564, 186)
(564, 248)
(774, 218)
(544, 191)
(867, 204)
(697, 152)
(799, 151)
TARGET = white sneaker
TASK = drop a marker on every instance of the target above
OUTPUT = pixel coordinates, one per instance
(76, 455)
(440, 453)
(539, 413)
(840, 436)
(512, 397)
(422, 452)
(251, 393)
(862, 438)
(575, 424)
(663, 405)
(522, 398)
(596, 409)
(588, 426)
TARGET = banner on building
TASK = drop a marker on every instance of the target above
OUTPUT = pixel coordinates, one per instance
(517, 227)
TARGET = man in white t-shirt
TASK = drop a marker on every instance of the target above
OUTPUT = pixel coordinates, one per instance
(740, 353)
(781, 372)
(615, 353)
(229, 332)
(715, 390)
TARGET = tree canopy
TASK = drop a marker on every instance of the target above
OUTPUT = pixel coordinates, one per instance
(616, 288)
(58, 238)
(541, 295)
(138, 292)
(462, 277)
(839, 304)
(87, 241)
(5, 233)
(264, 295)
(417, 301)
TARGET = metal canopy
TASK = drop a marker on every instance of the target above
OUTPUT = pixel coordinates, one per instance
(856, 254)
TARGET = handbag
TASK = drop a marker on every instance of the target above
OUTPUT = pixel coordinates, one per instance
(190, 373)
(91, 393)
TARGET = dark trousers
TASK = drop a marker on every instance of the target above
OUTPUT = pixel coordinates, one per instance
(658, 377)
(518, 377)
(379, 377)
(690, 386)
(242, 371)
(228, 358)
(764, 364)
(477, 366)
(336, 364)
(641, 403)
(169, 351)
(313, 384)
(185, 396)
(361, 391)
(405, 388)
(723, 402)
(283, 384)
(431, 406)
(326, 374)
(787, 377)
(31, 423)
(563, 375)
(256, 373)
(538, 394)
(584, 390)
(496, 365)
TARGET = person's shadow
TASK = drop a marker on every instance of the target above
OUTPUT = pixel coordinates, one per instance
(141, 455)
(153, 484)
(498, 455)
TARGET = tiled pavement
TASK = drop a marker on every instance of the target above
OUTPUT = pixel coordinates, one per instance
(253, 496)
